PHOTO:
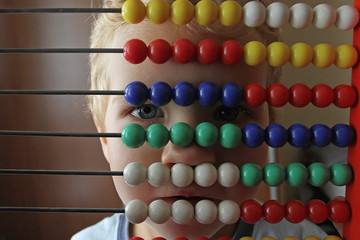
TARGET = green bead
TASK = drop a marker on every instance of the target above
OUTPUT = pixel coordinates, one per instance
(206, 134)
(340, 174)
(230, 135)
(319, 174)
(251, 174)
(157, 135)
(181, 134)
(296, 174)
(274, 174)
(133, 135)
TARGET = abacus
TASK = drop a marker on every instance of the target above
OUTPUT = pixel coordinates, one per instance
(230, 136)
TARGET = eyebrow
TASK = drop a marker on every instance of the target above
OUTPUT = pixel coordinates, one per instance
(119, 100)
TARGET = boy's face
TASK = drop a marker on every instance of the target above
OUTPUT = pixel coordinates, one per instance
(119, 114)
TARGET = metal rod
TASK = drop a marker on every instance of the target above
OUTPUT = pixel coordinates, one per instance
(59, 172)
(60, 10)
(59, 210)
(59, 50)
(60, 92)
(56, 134)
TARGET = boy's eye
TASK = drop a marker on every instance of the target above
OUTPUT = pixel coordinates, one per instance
(231, 113)
(147, 111)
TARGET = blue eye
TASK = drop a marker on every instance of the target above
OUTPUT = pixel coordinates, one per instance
(147, 111)
(230, 114)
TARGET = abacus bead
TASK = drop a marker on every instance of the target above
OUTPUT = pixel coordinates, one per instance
(299, 135)
(206, 12)
(159, 211)
(251, 174)
(228, 212)
(181, 238)
(319, 174)
(136, 211)
(254, 14)
(160, 93)
(181, 134)
(344, 135)
(340, 174)
(274, 174)
(346, 56)
(301, 54)
(347, 17)
(253, 135)
(135, 51)
(276, 135)
(157, 135)
(159, 51)
(182, 212)
(277, 15)
(231, 95)
(181, 175)
(273, 211)
(322, 95)
(184, 94)
(182, 12)
(277, 95)
(136, 93)
(208, 51)
(254, 53)
(134, 174)
(301, 15)
(296, 174)
(278, 54)
(230, 13)
(205, 211)
(206, 134)
(183, 51)
(133, 135)
(254, 94)
(158, 174)
(345, 96)
(324, 55)
(339, 211)
(324, 16)
(300, 95)
(228, 174)
(208, 94)
(317, 211)
(231, 52)
(159, 238)
(321, 135)
(250, 211)
(205, 174)
(158, 11)
(295, 211)
(230, 135)
(133, 11)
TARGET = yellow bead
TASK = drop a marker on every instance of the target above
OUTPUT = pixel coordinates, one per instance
(324, 55)
(158, 11)
(346, 56)
(133, 11)
(332, 237)
(230, 13)
(254, 53)
(278, 54)
(312, 238)
(301, 54)
(206, 12)
(290, 238)
(246, 238)
(182, 12)
(268, 238)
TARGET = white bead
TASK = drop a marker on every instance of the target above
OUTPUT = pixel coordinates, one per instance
(277, 14)
(205, 211)
(158, 174)
(205, 174)
(324, 16)
(228, 175)
(182, 175)
(228, 212)
(347, 17)
(182, 212)
(254, 14)
(301, 15)
(159, 211)
(135, 174)
(136, 211)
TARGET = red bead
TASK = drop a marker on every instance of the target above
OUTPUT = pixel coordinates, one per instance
(159, 51)
(295, 211)
(181, 238)
(251, 211)
(277, 95)
(345, 96)
(318, 212)
(254, 94)
(300, 95)
(273, 211)
(159, 238)
(136, 238)
(231, 52)
(339, 211)
(208, 51)
(135, 51)
(183, 51)
(322, 95)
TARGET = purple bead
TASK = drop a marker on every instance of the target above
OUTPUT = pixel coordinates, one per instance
(160, 93)
(321, 135)
(276, 135)
(231, 95)
(184, 94)
(299, 135)
(253, 135)
(136, 93)
(344, 135)
(208, 93)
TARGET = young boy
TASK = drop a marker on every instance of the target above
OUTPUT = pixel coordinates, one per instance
(113, 113)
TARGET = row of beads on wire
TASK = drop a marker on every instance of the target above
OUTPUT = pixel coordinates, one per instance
(233, 95)
(230, 135)
(229, 175)
(231, 52)
(252, 14)
(329, 237)
(250, 211)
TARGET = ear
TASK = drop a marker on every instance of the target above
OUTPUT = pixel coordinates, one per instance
(103, 141)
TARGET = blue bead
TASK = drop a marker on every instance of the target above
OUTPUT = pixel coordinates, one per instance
(253, 135)
(160, 93)
(276, 135)
(344, 135)
(321, 135)
(209, 93)
(136, 93)
(299, 135)
(231, 95)
(184, 94)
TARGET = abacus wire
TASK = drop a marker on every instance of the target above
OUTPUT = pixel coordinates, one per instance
(60, 10)
(56, 134)
(61, 92)
(59, 50)
(62, 210)
(59, 172)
